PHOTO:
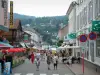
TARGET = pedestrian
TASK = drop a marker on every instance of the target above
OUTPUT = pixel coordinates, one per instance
(55, 61)
(70, 61)
(37, 63)
(49, 60)
(32, 57)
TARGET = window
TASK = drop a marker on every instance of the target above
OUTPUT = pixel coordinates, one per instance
(98, 48)
(85, 16)
(99, 6)
(96, 8)
(90, 12)
(2, 3)
(78, 22)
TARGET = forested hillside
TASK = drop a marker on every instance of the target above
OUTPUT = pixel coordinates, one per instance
(47, 26)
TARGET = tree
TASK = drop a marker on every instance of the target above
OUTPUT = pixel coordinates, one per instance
(59, 43)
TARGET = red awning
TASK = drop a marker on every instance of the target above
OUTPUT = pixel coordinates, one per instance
(14, 50)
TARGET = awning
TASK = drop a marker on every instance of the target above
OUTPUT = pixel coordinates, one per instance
(2, 27)
(14, 50)
(3, 45)
(66, 47)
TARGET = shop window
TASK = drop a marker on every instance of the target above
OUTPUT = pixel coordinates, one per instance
(98, 48)
(2, 3)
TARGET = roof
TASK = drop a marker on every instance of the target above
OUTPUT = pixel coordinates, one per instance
(16, 23)
(72, 5)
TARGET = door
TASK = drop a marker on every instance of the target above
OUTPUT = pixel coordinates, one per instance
(92, 50)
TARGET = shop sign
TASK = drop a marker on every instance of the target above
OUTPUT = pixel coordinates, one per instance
(25, 37)
(5, 12)
(11, 14)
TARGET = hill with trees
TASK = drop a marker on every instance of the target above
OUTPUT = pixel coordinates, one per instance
(47, 26)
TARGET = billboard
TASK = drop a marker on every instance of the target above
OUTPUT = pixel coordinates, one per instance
(11, 14)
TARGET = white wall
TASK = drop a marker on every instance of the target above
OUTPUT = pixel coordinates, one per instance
(79, 8)
(71, 21)
(2, 14)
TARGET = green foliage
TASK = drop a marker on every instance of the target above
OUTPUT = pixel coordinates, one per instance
(59, 43)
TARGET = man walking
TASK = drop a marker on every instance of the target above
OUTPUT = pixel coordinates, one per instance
(49, 60)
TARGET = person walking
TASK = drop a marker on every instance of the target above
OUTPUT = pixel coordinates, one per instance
(32, 57)
(55, 61)
(37, 63)
(49, 60)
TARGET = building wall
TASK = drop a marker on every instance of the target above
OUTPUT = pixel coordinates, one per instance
(72, 24)
(4, 14)
(86, 11)
(63, 32)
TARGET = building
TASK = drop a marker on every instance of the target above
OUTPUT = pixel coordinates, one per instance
(36, 38)
(62, 32)
(4, 16)
(71, 13)
(86, 12)
(14, 35)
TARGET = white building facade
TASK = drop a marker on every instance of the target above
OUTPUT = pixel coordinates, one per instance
(86, 12)
(71, 13)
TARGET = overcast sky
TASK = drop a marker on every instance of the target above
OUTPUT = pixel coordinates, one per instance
(41, 8)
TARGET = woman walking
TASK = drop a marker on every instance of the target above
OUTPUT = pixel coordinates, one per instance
(32, 57)
(55, 61)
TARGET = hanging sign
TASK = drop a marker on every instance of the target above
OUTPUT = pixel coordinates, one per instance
(11, 14)
(92, 36)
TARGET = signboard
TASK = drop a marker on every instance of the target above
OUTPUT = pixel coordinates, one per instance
(7, 67)
(83, 38)
(11, 14)
(26, 38)
(5, 12)
(96, 26)
(92, 36)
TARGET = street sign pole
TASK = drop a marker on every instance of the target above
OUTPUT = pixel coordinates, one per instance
(83, 60)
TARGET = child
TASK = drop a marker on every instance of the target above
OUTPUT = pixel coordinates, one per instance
(37, 63)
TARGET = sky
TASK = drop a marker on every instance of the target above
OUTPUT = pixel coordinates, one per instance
(40, 8)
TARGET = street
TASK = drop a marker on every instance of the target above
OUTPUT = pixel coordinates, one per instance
(30, 69)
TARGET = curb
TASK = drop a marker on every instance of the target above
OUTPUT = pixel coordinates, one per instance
(70, 69)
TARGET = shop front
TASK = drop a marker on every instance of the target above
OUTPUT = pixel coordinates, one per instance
(97, 58)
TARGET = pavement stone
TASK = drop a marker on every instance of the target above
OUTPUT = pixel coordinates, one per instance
(77, 69)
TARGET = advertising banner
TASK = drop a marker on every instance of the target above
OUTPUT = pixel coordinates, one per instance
(11, 14)
(7, 67)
